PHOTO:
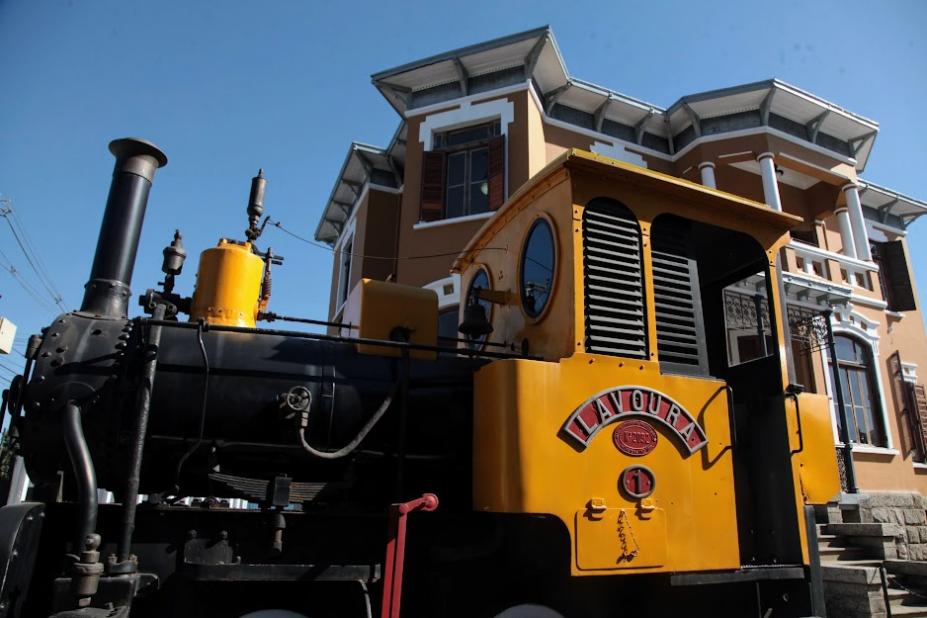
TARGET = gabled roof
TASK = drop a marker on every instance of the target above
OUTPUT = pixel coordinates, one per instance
(799, 108)
(362, 164)
(888, 202)
(535, 50)
(534, 55)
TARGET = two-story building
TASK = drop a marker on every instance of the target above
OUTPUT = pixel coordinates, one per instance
(478, 122)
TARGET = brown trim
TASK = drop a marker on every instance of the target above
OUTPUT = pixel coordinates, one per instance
(434, 166)
(496, 172)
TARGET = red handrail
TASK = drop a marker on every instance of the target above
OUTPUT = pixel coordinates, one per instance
(396, 549)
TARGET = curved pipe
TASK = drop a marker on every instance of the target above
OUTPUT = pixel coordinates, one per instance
(353, 444)
(84, 473)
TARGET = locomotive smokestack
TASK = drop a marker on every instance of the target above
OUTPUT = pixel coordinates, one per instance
(107, 292)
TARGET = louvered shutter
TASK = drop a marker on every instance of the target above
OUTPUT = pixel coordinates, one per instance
(614, 290)
(917, 398)
(677, 300)
(496, 172)
(897, 276)
(433, 177)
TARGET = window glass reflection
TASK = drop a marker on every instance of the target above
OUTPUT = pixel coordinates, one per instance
(537, 268)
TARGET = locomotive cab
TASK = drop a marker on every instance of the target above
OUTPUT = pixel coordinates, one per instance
(660, 429)
(617, 428)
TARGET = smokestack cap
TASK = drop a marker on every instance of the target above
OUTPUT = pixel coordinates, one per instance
(137, 156)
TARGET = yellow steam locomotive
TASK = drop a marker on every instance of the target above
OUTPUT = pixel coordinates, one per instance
(628, 455)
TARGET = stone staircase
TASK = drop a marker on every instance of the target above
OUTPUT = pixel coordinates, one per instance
(861, 570)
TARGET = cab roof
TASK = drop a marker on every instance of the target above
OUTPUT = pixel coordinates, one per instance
(581, 160)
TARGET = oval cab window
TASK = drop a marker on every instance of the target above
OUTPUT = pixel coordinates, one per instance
(537, 268)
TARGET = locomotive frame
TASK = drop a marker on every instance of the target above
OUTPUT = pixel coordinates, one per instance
(710, 491)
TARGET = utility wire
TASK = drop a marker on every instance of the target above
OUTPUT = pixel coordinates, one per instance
(280, 227)
(28, 250)
(8, 266)
(3, 363)
(13, 220)
(10, 371)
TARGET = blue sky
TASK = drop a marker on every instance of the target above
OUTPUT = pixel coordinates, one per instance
(226, 88)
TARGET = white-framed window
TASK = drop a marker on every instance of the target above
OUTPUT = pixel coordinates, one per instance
(464, 161)
(853, 326)
(859, 386)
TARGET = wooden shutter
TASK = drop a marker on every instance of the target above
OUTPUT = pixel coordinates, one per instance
(897, 277)
(496, 172)
(433, 177)
(917, 397)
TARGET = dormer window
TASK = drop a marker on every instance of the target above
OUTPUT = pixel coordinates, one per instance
(464, 173)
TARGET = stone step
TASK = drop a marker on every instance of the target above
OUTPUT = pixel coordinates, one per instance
(844, 553)
(908, 611)
(834, 541)
(830, 561)
(852, 571)
(907, 567)
(865, 530)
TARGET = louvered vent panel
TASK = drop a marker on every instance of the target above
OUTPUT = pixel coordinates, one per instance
(677, 303)
(614, 293)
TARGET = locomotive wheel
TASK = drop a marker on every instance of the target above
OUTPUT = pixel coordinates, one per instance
(529, 611)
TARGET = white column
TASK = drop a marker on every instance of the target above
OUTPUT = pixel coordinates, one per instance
(860, 235)
(708, 174)
(846, 232)
(770, 184)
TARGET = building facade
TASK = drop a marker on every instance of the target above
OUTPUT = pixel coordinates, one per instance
(477, 123)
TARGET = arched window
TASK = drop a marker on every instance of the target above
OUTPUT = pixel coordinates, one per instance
(860, 394)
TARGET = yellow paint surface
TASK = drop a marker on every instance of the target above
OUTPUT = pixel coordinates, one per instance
(523, 465)
(382, 310)
(228, 285)
(816, 464)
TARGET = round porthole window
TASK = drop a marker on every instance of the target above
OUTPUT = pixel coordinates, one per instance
(537, 268)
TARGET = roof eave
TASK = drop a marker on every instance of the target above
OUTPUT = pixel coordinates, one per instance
(354, 148)
(463, 51)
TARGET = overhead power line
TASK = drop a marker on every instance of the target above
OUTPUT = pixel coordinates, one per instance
(319, 245)
(28, 250)
(6, 265)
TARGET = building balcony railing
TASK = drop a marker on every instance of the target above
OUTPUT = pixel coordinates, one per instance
(813, 261)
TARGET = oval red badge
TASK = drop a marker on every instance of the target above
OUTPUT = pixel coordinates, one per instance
(635, 438)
